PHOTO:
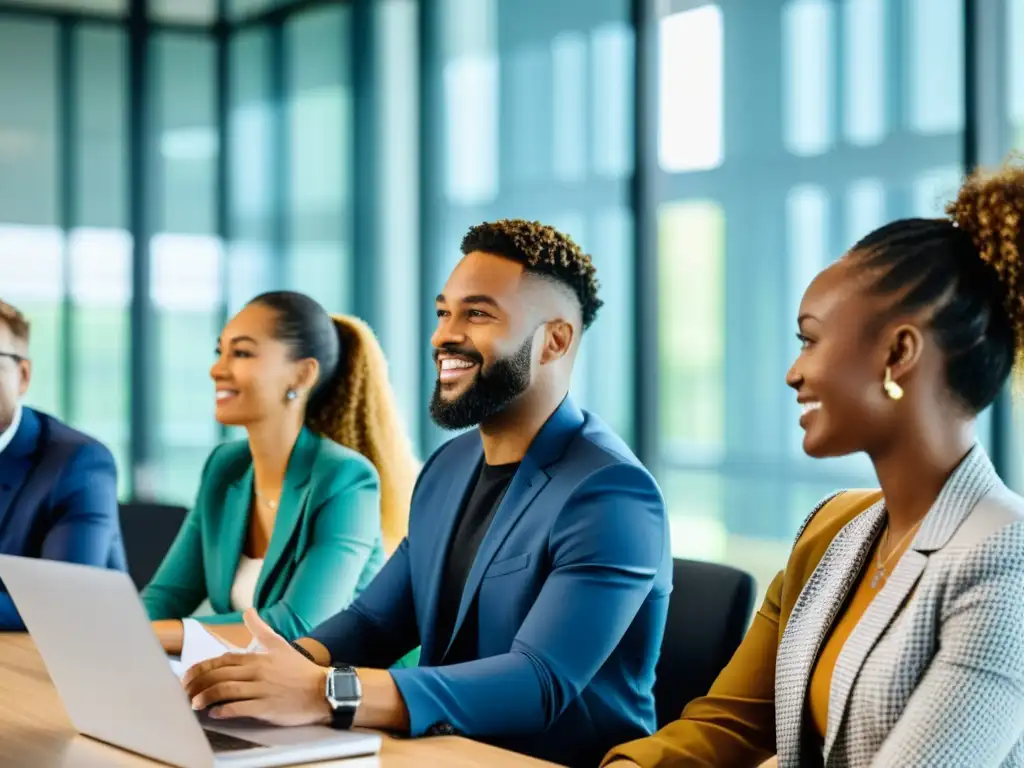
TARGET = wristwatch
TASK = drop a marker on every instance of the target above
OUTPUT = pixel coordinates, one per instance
(343, 693)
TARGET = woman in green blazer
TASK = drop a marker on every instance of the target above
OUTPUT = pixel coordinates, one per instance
(298, 518)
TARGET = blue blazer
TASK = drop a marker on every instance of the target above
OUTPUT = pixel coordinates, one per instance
(58, 500)
(571, 585)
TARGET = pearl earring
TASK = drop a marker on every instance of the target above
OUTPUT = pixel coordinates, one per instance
(291, 394)
(892, 389)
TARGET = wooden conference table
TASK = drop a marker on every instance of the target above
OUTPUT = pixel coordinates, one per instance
(35, 731)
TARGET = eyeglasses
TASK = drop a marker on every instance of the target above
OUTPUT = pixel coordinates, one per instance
(14, 357)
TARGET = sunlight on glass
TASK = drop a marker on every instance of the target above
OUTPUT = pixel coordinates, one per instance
(100, 273)
(690, 90)
(250, 133)
(186, 272)
(99, 181)
(695, 500)
(471, 111)
(31, 263)
(526, 133)
(33, 280)
(807, 228)
(197, 143)
(698, 538)
(691, 262)
(808, 63)
(471, 101)
(611, 390)
(568, 96)
(611, 86)
(320, 160)
(29, 142)
(100, 251)
(186, 289)
(320, 269)
(936, 65)
(250, 129)
(319, 113)
(935, 188)
(864, 71)
(251, 271)
(397, 217)
(185, 182)
(317, 258)
(1015, 65)
(865, 209)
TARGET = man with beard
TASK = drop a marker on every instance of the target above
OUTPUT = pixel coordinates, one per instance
(537, 570)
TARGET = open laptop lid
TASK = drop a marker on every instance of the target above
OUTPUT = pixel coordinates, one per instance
(107, 665)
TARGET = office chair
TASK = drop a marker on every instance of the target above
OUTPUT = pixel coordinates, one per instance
(707, 618)
(148, 530)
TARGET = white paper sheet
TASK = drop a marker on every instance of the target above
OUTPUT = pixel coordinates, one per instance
(198, 644)
(177, 668)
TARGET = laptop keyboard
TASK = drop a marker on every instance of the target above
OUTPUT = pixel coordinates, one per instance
(221, 742)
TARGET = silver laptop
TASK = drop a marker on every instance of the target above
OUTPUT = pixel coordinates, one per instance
(117, 685)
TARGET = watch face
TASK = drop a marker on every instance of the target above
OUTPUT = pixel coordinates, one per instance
(344, 684)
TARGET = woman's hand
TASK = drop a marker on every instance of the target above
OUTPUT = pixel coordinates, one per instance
(171, 634)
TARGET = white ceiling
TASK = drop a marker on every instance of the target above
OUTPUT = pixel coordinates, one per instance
(89, 6)
(184, 11)
(175, 11)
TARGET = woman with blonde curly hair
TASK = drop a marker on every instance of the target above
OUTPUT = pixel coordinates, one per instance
(297, 519)
(895, 634)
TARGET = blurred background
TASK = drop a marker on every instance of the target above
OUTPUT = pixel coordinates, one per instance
(162, 161)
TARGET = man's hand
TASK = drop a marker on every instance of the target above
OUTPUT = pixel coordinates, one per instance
(280, 686)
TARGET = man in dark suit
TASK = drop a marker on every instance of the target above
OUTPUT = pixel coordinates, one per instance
(537, 570)
(58, 487)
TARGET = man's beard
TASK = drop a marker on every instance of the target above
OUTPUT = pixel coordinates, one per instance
(488, 395)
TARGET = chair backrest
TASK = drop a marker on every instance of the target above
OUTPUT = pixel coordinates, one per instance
(148, 530)
(708, 614)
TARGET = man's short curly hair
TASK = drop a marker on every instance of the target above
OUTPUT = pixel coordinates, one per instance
(542, 250)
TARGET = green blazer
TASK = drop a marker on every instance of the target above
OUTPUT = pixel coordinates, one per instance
(325, 548)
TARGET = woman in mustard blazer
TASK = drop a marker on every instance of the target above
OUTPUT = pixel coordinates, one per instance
(298, 518)
(895, 634)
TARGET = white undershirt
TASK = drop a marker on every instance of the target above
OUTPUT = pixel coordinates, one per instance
(8, 434)
(243, 591)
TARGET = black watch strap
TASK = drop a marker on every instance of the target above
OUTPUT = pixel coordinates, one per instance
(342, 718)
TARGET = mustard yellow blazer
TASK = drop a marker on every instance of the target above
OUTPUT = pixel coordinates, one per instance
(931, 675)
(734, 725)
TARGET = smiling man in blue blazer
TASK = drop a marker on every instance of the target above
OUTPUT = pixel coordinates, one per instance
(58, 488)
(537, 570)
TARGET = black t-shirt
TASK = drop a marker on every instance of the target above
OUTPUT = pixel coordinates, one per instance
(470, 528)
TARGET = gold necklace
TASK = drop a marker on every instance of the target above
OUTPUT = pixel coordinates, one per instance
(271, 503)
(880, 565)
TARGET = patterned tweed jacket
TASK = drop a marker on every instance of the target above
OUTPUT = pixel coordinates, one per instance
(932, 675)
